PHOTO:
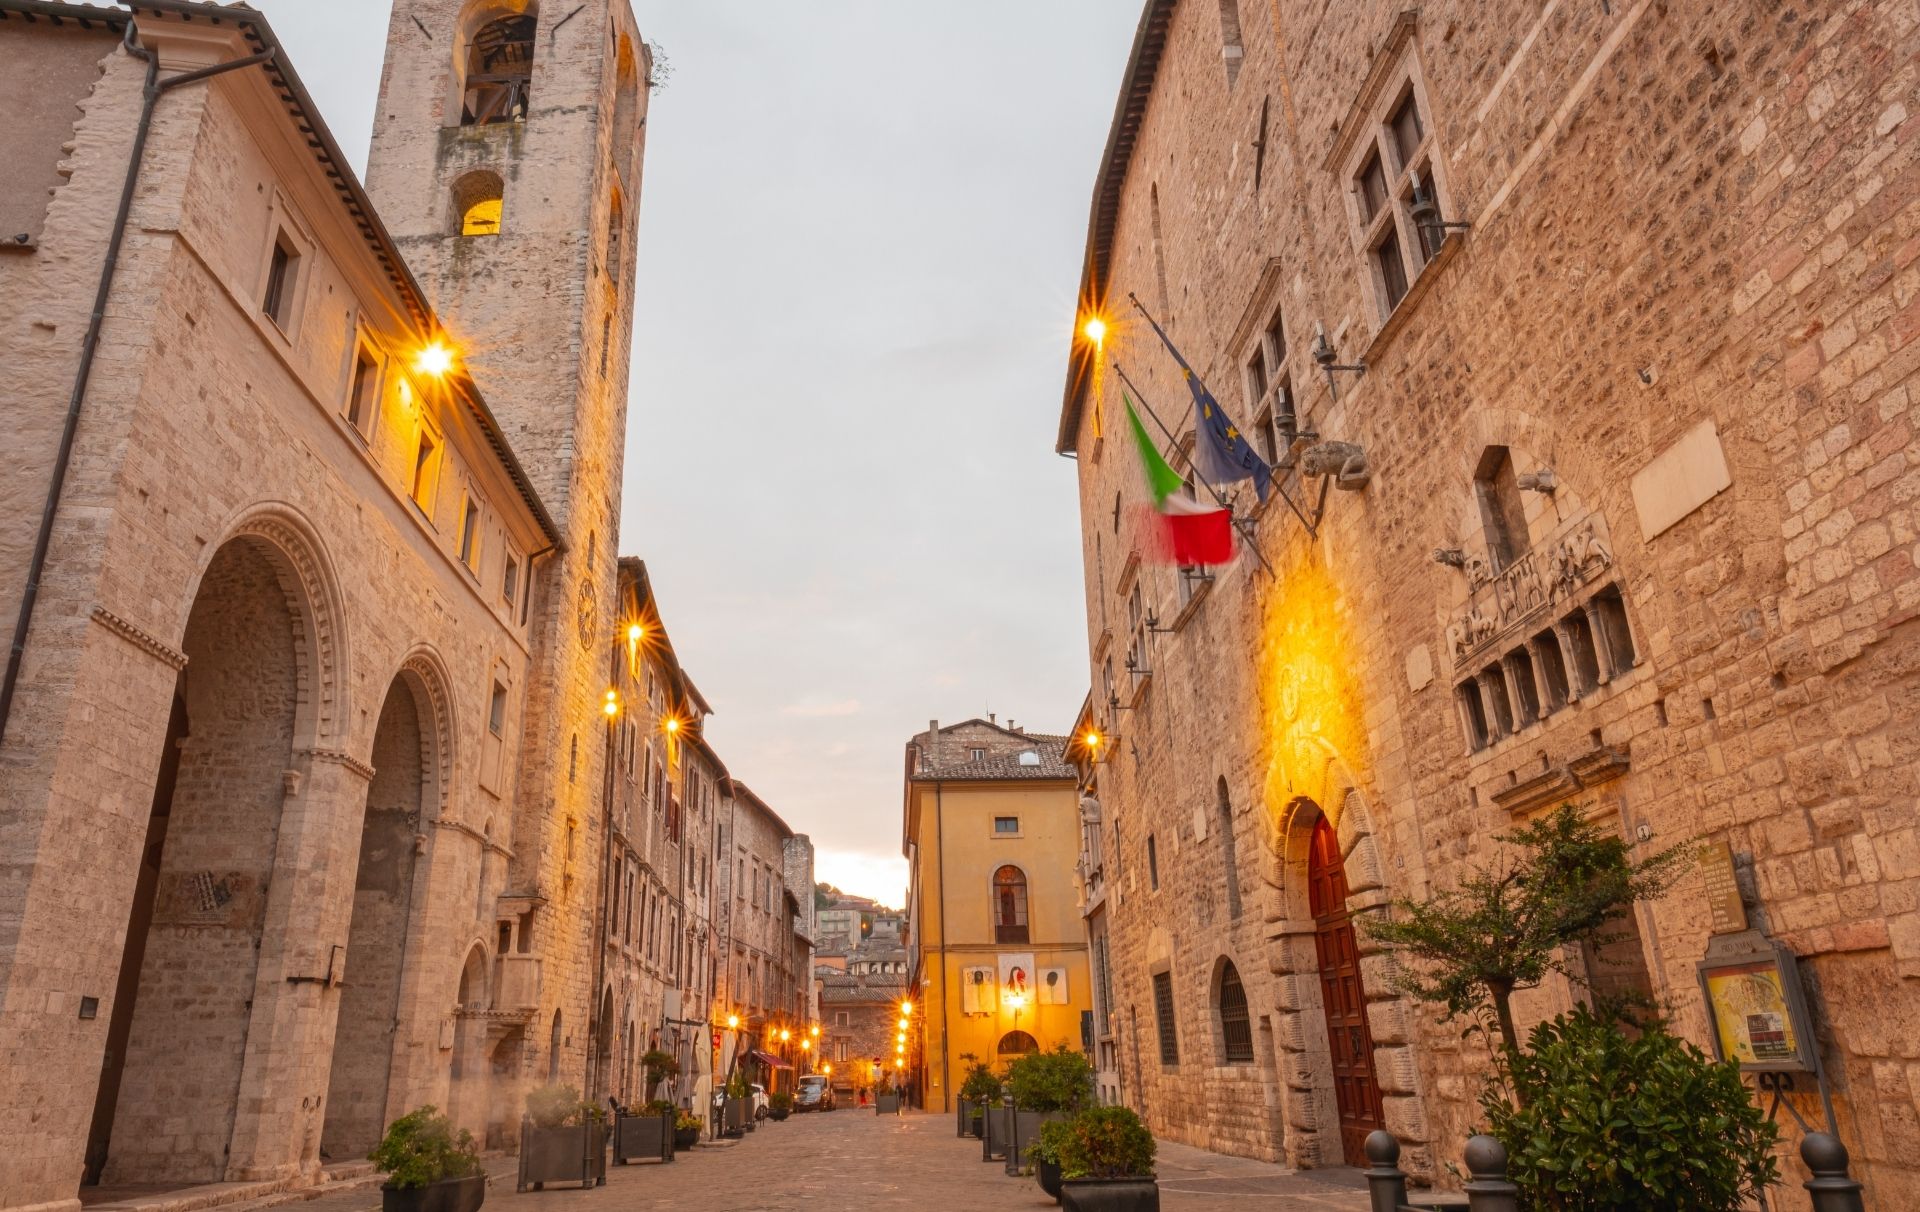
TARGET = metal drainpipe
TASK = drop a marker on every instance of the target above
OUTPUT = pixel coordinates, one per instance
(946, 1042)
(151, 93)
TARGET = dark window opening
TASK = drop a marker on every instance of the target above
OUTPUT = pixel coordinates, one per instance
(1163, 1011)
(1407, 130)
(1009, 905)
(1017, 1043)
(1612, 612)
(1393, 271)
(1475, 713)
(283, 272)
(1586, 658)
(499, 72)
(1006, 824)
(1223, 821)
(1153, 863)
(1236, 1027)
(1502, 516)
(360, 396)
(1553, 670)
(1499, 711)
(1373, 188)
(1232, 52)
(1526, 706)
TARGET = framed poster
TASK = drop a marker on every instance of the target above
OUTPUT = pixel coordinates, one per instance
(1753, 995)
(977, 991)
(1053, 986)
(1017, 979)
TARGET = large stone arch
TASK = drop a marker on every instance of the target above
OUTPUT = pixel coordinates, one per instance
(1313, 1136)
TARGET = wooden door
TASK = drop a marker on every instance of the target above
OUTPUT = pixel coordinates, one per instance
(1355, 1089)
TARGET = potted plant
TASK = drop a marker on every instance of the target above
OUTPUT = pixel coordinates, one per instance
(1045, 1086)
(644, 1135)
(1044, 1155)
(979, 1090)
(1106, 1163)
(736, 1113)
(686, 1131)
(658, 1066)
(886, 1096)
(428, 1167)
(562, 1139)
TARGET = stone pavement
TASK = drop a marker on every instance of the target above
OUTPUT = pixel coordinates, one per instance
(857, 1160)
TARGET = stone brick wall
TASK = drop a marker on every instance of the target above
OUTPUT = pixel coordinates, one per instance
(1682, 217)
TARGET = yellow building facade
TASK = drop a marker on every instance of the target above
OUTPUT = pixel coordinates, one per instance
(991, 835)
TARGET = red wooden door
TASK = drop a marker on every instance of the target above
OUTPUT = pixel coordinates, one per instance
(1355, 1089)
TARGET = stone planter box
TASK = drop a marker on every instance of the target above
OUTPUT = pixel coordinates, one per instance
(886, 1104)
(643, 1138)
(1026, 1130)
(998, 1132)
(1110, 1195)
(736, 1116)
(575, 1154)
(447, 1195)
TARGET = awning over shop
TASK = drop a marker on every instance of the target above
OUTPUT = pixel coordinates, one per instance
(769, 1059)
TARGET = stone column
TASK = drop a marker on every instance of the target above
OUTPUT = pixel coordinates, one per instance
(283, 1079)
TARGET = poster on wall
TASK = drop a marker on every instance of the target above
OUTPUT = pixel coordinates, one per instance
(977, 991)
(1752, 990)
(1016, 979)
(1053, 986)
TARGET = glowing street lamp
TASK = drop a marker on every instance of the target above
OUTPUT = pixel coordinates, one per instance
(434, 358)
(1094, 330)
(906, 1007)
(733, 1022)
(636, 632)
(612, 705)
(1093, 738)
(814, 1031)
(785, 1035)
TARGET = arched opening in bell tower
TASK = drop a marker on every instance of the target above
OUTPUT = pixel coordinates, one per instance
(493, 62)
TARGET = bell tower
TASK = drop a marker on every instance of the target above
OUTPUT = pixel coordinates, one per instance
(506, 163)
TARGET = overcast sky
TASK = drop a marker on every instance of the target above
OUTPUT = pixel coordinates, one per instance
(860, 237)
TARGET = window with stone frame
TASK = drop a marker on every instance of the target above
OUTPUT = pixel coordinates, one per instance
(1232, 49)
(1270, 390)
(1236, 1023)
(1163, 1018)
(1393, 157)
(363, 389)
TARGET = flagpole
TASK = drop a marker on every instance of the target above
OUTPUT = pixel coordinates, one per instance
(1194, 468)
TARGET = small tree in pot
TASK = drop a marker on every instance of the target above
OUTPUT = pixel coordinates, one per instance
(780, 1105)
(1044, 1154)
(1045, 1086)
(658, 1066)
(686, 1131)
(1106, 1163)
(429, 1167)
(979, 1090)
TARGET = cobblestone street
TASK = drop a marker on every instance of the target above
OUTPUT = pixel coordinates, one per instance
(856, 1160)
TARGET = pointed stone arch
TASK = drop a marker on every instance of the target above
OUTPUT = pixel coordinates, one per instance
(425, 673)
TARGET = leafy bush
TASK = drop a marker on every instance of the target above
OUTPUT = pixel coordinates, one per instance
(657, 1107)
(1051, 1142)
(738, 1086)
(980, 1085)
(558, 1106)
(421, 1148)
(1106, 1142)
(1604, 1122)
(781, 1101)
(687, 1121)
(1060, 1080)
(659, 1066)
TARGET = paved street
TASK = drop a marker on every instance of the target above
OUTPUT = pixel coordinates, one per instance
(856, 1160)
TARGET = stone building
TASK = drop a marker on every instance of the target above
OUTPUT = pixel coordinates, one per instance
(859, 1018)
(300, 746)
(989, 829)
(1619, 512)
(764, 981)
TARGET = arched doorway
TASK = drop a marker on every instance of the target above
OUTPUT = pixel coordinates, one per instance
(170, 1085)
(1017, 1043)
(471, 1071)
(357, 1087)
(1356, 1088)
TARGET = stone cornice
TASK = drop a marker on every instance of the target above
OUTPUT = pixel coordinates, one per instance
(144, 640)
(341, 757)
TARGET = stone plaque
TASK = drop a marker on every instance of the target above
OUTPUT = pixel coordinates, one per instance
(1723, 889)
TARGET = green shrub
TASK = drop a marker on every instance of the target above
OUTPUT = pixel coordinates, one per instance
(658, 1067)
(657, 1107)
(421, 1148)
(782, 1101)
(738, 1086)
(1052, 1141)
(558, 1106)
(1606, 1122)
(1060, 1080)
(1106, 1142)
(980, 1085)
(687, 1121)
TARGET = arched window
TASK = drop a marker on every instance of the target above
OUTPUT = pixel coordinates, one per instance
(1017, 1043)
(553, 1051)
(478, 205)
(473, 981)
(499, 70)
(1009, 905)
(1236, 1027)
(1223, 821)
(616, 239)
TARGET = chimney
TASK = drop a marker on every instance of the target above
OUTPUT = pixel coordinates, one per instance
(993, 719)
(931, 757)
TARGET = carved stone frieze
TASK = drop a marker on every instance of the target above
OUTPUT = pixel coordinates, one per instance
(1577, 553)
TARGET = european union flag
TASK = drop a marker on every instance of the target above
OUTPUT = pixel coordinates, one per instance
(1220, 450)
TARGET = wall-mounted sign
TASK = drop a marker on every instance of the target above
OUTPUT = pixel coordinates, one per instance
(1759, 1010)
(1723, 889)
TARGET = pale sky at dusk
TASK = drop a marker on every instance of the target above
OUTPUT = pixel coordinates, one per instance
(860, 239)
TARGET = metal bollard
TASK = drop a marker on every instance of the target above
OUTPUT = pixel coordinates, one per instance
(1386, 1185)
(1833, 1189)
(1488, 1189)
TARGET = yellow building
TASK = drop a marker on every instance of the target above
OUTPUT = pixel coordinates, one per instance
(992, 831)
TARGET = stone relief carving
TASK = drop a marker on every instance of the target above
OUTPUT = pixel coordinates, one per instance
(1577, 552)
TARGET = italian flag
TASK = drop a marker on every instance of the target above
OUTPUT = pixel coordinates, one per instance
(1185, 532)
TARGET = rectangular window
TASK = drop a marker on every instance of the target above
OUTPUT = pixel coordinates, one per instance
(283, 276)
(1153, 863)
(470, 533)
(363, 392)
(1394, 160)
(1393, 271)
(1257, 378)
(510, 584)
(426, 468)
(1373, 188)
(1006, 824)
(1407, 131)
(497, 711)
(1163, 1012)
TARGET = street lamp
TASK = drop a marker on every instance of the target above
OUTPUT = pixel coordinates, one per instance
(733, 1022)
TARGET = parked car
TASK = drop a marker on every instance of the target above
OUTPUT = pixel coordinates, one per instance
(761, 1108)
(815, 1094)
